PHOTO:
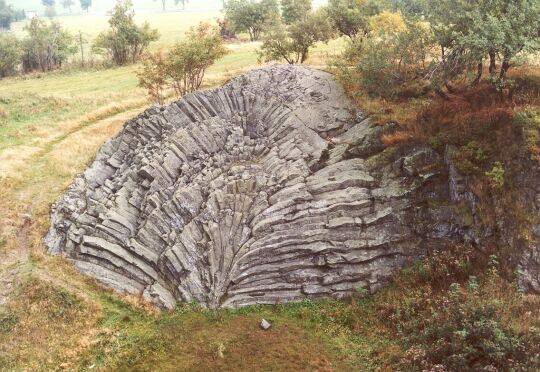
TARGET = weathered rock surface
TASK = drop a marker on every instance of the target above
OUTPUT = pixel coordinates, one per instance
(266, 190)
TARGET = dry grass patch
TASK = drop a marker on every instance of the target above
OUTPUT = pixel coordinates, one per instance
(41, 327)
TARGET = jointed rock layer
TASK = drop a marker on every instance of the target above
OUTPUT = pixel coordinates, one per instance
(266, 190)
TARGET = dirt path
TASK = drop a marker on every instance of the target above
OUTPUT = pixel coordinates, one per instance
(33, 193)
(16, 261)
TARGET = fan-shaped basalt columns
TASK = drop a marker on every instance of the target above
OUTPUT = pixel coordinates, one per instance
(266, 190)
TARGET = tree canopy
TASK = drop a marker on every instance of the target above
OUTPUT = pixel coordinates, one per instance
(471, 31)
(125, 41)
(294, 10)
(251, 16)
(86, 4)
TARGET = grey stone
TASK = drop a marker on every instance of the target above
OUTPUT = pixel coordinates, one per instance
(265, 325)
(236, 196)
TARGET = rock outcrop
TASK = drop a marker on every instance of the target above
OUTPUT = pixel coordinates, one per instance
(266, 190)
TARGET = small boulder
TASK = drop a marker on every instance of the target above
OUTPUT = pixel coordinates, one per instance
(265, 325)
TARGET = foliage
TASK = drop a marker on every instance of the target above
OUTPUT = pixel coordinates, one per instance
(351, 17)
(468, 32)
(152, 76)
(225, 29)
(188, 60)
(469, 159)
(67, 4)
(7, 15)
(184, 67)
(292, 43)
(10, 55)
(48, 3)
(496, 175)
(410, 8)
(47, 46)
(86, 4)
(396, 54)
(125, 41)
(251, 16)
(465, 329)
(294, 10)
(529, 120)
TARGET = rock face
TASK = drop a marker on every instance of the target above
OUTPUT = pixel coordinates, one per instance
(266, 190)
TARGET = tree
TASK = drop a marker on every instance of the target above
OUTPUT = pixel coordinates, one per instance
(125, 41)
(153, 76)
(396, 53)
(184, 67)
(7, 15)
(47, 46)
(251, 16)
(471, 31)
(351, 17)
(10, 54)
(292, 43)
(67, 4)
(86, 4)
(188, 60)
(293, 10)
(48, 3)
(176, 2)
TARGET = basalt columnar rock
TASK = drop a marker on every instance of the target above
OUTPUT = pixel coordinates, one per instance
(269, 189)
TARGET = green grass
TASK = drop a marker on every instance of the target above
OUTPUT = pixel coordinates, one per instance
(171, 26)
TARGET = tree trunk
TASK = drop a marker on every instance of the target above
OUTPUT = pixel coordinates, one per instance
(504, 68)
(480, 70)
(492, 62)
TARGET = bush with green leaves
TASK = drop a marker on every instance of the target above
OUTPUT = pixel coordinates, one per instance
(10, 55)
(184, 67)
(125, 41)
(86, 4)
(293, 42)
(294, 10)
(47, 46)
(251, 16)
(470, 32)
(395, 54)
(466, 330)
(351, 17)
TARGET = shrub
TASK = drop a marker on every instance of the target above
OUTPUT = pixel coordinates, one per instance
(184, 67)
(153, 76)
(351, 17)
(188, 61)
(394, 55)
(251, 16)
(47, 46)
(292, 43)
(465, 330)
(125, 41)
(496, 175)
(469, 159)
(10, 55)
